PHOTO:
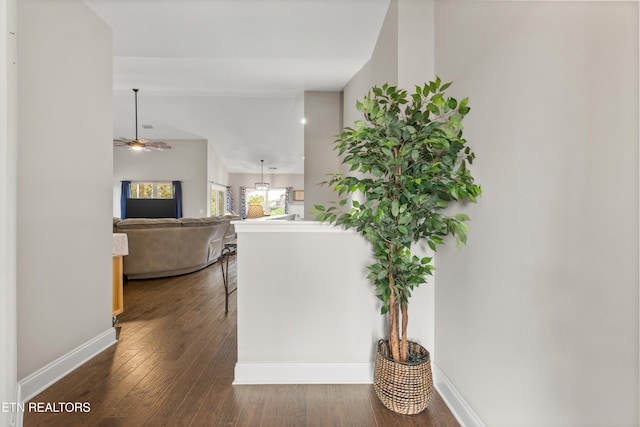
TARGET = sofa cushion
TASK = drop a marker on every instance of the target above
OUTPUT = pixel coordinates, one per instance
(200, 222)
(139, 223)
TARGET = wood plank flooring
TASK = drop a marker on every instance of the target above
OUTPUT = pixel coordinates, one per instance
(173, 366)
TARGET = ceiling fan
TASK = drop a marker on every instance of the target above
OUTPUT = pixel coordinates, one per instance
(140, 144)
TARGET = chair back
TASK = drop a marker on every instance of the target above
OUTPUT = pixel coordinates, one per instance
(255, 211)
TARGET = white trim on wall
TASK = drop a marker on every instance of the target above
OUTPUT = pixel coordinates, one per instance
(38, 381)
(303, 373)
(346, 373)
(454, 400)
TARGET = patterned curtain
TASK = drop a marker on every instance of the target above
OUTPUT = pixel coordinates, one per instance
(228, 205)
(288, 196)
(243, 202)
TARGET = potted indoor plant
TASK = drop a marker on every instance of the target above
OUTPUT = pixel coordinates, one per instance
(408, 162)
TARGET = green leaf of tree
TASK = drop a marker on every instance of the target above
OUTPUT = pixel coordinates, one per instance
(395, 208)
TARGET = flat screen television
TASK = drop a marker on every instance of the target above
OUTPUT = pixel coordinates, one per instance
(151, 208)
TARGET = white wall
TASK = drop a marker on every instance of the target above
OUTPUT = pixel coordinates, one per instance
(314, 274)
(381, 68)
(416, 42)
(216, 171)
(537, 318)
(323, 114)
(64, 180)
(186, 161)
(403, 55)
(8, 184)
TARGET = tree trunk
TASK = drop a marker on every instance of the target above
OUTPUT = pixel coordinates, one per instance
(394, 344)
(394, 339)
(404, 345)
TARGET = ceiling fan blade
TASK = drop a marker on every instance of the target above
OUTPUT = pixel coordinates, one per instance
(158, 145)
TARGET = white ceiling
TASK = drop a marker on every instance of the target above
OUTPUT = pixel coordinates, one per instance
(234, 71)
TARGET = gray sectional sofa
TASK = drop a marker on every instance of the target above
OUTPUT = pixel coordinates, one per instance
(161, 247)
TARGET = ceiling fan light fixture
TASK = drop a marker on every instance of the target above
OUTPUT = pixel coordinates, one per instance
(136, 146)
(140, 144)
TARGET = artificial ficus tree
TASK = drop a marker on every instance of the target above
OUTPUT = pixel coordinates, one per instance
(409, 161)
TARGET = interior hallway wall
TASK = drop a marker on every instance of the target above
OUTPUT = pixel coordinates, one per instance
(537, 317)
(8, 186)
(64, 171)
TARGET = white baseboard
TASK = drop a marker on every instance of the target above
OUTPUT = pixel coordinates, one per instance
(16, 416)
(38, 381)
(347, 373)
(303, 373)
(458, 406)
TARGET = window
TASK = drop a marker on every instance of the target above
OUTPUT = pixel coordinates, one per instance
(217, 194)
(272, 201)
(151, 190)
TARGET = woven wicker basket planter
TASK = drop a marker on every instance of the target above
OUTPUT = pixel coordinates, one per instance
(405, 388)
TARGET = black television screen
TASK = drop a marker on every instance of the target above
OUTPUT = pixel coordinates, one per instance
(151, 208)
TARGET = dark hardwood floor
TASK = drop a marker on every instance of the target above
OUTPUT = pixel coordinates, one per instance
(173, 366)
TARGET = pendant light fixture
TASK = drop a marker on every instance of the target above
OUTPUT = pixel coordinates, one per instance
(262, 186)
